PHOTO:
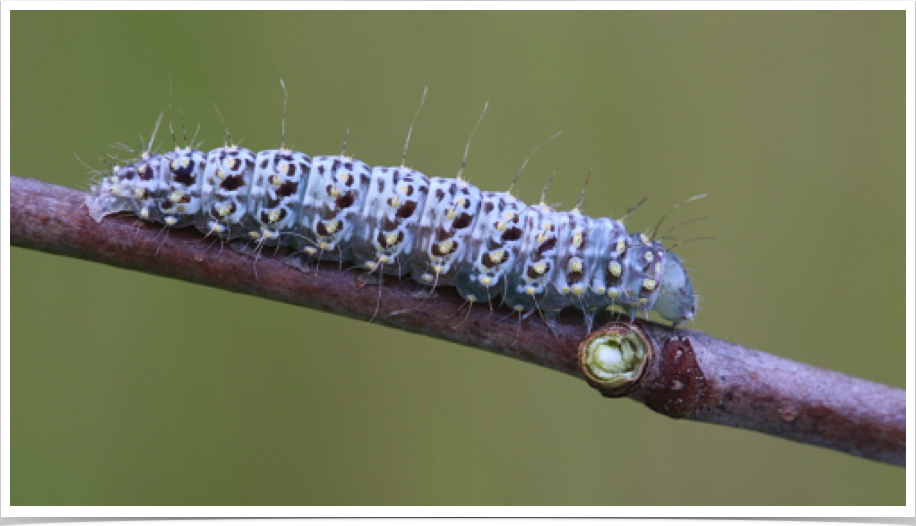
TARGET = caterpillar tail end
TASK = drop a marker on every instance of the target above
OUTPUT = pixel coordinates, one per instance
(101, 205)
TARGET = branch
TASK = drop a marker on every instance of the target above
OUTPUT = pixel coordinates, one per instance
(688, 374)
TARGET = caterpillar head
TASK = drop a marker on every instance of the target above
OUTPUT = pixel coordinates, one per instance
(676, 301)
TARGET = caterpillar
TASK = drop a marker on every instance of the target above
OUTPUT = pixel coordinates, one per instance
(398, 221)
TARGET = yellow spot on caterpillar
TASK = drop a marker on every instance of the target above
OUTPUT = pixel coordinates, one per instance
(599, 289)
(343, 177)
(485, 281)
(547, 225)
(450, 214)
(370, 265)
(332, 226)
(142, 170)
(385, 259)
(170, 221)
(273, 216)
(577, 239)
(403, 188)
(501, 226)
(144, 213)
(470, 297)
(621, 246)
(391, 239)
(643, 301)
(615, 269)
(540, 268)
(509, 215)
(658, 268)
(224, 210)
(438, 269)
(497, 255)
(575, 265)
(541, 238)
(395, 202)
(185, 162)
(284, 168)
(176, 197)
(518, 308)
(254, 234)
(324, 246)
(648, 284)
(138, 193)
(565, 290)
(644, 239)
(578, 290)
(613, 294)
(180, 209)
(174, 164)
(530, 291)
(311, 251)
(275, 180)
(649, 257)
(427, 277)
(220, 173)
(116, 190)
(334, 191)
(446, 246)
(460, 201)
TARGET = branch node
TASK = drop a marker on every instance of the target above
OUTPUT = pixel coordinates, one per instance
(676, 387)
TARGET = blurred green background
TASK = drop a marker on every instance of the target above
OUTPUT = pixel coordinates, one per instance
(129, 389)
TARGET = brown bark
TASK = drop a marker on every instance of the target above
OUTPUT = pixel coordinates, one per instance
(691, 375)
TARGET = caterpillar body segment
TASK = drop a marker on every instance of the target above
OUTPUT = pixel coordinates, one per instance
(493, 248)
(225, 193)
(275, 203)
(536, 261)
(148, 190)
(332, 208)
(444, 231)
(181, 200)
(385, 239)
